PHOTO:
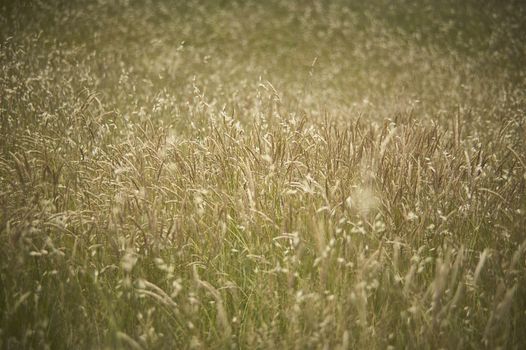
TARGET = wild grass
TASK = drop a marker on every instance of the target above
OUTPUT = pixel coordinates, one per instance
(278, 175)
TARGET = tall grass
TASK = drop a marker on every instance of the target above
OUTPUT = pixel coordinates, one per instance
(271, 176)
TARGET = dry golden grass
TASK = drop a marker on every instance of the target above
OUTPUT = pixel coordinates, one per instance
(262, 176)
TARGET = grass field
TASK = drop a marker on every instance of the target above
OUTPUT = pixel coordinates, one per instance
(262, 175)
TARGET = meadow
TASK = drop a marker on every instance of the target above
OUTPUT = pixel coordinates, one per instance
(262, 175)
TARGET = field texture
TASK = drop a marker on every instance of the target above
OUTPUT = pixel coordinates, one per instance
(262, 174)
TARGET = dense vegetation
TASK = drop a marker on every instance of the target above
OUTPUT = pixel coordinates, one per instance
(269, 174)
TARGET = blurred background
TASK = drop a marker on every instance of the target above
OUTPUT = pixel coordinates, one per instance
(342, 57)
